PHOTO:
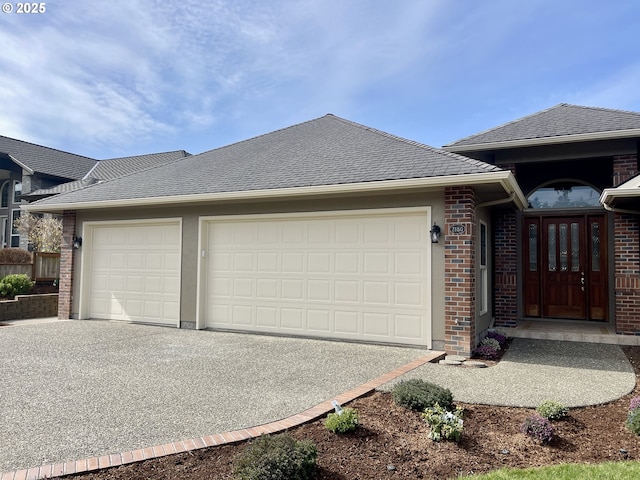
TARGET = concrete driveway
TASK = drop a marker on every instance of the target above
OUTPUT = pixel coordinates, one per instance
(79, 389)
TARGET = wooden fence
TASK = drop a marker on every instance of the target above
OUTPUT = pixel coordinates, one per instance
(45, 267)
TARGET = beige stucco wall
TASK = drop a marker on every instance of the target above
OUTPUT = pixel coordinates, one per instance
(190, 216)
(484, 321)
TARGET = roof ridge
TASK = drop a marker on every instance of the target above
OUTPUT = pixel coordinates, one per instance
(510, 122)
(601, 109)
(186, 154)
(415, 143)
(48, 148)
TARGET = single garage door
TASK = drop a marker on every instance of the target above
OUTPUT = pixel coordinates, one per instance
(359, 275)
(135, 272)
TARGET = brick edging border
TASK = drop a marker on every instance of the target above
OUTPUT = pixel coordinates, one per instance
(114, 460)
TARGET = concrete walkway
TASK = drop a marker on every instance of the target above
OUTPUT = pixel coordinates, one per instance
(531, 371)
(86, 389)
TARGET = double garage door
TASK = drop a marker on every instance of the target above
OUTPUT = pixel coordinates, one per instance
(353, 275)
(357, 275)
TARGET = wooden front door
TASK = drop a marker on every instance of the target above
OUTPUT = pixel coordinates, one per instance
(565, 267)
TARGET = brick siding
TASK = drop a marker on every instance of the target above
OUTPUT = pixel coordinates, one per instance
(626, 255)
(460, 271)
(506, 268)
(67, 265)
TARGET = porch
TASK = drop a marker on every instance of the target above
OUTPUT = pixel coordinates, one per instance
(570, 331)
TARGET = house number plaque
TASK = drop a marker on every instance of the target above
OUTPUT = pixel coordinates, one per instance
(457, 229)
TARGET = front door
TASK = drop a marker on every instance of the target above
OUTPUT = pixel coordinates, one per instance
(565, 268)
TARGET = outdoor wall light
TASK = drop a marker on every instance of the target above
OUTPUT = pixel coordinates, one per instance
(435, 233)
(77, 242)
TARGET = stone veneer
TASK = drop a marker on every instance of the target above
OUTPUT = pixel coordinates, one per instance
(29, 306)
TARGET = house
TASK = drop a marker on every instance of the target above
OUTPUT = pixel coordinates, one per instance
(333, 229)
(30, 172)
(574, 253)
(321, 229)
(25, 167)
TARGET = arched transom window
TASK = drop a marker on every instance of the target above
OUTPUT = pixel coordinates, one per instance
(565, 194)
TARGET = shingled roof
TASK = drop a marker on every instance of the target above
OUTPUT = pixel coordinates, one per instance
(559, 121)
(110, 169)
(325, 151)
(45, 160)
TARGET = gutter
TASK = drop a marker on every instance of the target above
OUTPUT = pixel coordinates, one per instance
(502, 177)
(609, 194)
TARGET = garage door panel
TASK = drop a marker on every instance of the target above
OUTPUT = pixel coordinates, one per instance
(355, 276)
(135, 272)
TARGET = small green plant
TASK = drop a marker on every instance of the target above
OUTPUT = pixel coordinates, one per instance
(417, 395)
(343, 422)
(633, 421)
(443, 424)
(276, 457)
(16, 284)
(552, 410)
(538, 428)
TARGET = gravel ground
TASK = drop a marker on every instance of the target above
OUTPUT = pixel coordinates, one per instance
(531, 371)
(79, 389)
(72, 390)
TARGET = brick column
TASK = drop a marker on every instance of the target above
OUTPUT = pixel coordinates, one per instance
(506, 268)
(460, 271)
(626, 256)
(67, 264)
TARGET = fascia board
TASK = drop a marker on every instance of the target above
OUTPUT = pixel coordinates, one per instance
(21, 165)
(610, 194)
(532, 142)
(504, 178)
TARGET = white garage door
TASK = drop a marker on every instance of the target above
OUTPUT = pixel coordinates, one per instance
(361, 275)
(135, 272)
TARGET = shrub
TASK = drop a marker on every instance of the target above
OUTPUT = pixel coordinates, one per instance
(444, 425)
(417, 394)
(538, 428)
(343, 422)
(15, 256)
(634, 403)
(633, 421)
(552, 410)
(18, 284)
(498, 336)
(276, 457)
(486, 351)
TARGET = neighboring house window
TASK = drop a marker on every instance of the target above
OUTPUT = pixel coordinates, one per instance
(564, 194)
(4, 195)
(15, 236)
(483, 275)
(17, 192)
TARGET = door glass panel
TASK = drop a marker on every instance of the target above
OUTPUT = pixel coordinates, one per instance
(552, 248)
(575, 247)
(595, 247)
(563, 247)
(533, 247)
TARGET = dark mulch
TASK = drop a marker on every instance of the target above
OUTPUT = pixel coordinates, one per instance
(392, 442)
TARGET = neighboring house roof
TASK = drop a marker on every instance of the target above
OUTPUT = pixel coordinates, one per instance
(328, 153)
(110, 169)
(45, 160)
(557, 124)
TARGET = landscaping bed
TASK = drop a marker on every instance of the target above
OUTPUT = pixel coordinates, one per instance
(392, 442)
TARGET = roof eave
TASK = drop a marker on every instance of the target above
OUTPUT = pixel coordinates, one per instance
(532, 142)
(21, 165)
(504, 178)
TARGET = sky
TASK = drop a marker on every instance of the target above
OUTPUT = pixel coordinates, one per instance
(117, 78)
